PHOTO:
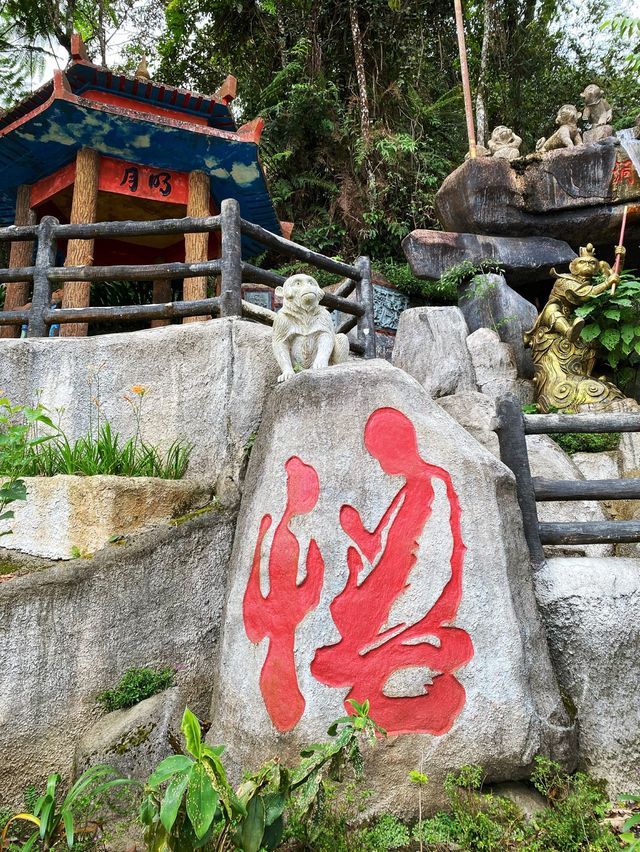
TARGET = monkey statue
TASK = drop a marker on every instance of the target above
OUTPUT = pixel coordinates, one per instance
(567, 135)
(597, 114)
(504, 144)
(303, 331)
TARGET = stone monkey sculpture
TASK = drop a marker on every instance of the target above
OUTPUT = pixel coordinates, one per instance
(567, 135)
(303, 331)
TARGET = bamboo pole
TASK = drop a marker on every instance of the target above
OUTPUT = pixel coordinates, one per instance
(466, 86)
(196, 246)
(161, 295)
(21, 254)
(77, 294)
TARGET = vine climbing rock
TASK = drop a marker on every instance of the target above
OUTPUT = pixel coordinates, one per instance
(379, 555)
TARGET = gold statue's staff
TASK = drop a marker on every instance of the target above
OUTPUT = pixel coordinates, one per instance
(620, 252)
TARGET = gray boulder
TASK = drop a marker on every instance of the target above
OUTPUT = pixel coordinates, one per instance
(487, 301)
(493, 363)
(335, 451)
(591, 610)
(431, 346)
(476, 413)
(430, 253)
(135, 740)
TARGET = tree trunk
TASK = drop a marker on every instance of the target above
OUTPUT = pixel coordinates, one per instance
(196, 246)
(481, 96)
(21, 254)
(358, 55)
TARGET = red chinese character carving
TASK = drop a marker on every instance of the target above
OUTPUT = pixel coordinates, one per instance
(623, 171)
(370, 650)
(276, 615)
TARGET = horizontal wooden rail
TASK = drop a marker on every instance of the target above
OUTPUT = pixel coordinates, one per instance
(346, 326)
(17, 273)
(13, 317)
(543, 424)
(132, 228)
(266, 238)
(141, 272)
(131, 313)
(586, 489)
(255, 275)
(590, 532)
(18, 233)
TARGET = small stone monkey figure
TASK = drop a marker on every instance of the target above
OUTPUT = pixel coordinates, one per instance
(504, 143)
(303, 331)
(567, 135)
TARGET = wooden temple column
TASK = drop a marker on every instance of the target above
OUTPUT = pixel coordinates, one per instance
(196, 246)
(80, 252)
(21, 254)
(161, 294)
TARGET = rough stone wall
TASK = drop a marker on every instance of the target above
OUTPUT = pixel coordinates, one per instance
(70, 630)
(205, 382)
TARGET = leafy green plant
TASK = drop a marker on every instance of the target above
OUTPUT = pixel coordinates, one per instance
(586, 442)
(56, 822)
(613, 324)
(198, 806)
(17, 439)
(462, 273)
(135, 685)
(633, 822)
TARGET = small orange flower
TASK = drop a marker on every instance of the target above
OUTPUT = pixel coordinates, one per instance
(140, 390)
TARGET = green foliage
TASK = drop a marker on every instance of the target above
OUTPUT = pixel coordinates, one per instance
(632, 824)
(586, 442)
(628, 30)
(463, 273)
(26, 451)
(135, 685)
(17, 440)
(189, 802)
(56, 822)
(613, 324)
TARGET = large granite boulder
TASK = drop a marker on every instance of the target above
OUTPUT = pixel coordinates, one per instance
(571, 194)
(379, 555)
(475, 412)
(591, 611)
(430, 253)
(487, 301)
(495, 367)
(431, 346)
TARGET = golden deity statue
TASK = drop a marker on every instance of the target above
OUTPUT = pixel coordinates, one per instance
(562, 361)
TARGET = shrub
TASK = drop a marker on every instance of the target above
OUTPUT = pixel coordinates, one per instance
(586, 442)
(135, 685)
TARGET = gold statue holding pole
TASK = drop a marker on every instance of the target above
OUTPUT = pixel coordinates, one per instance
(562, 361)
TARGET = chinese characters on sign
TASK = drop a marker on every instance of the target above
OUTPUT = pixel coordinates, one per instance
(379, 564)
(157, 180)
(623, 173)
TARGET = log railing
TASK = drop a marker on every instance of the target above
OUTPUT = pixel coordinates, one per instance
(231, 268)
(512, 426)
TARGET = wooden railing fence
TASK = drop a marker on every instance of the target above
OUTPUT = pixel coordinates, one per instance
(231, 268)
(512, 427)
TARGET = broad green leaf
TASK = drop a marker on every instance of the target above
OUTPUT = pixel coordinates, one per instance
(590, 332)
(612, 313)
(274, 804)
(273, 834)
(47, 807)
(193, 736)
(67, 819)
(172, 798)
(252, 827)
(202, 801)
(168, 767)
(627, 332)
(609, 338)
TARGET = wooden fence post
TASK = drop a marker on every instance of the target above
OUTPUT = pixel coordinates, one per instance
(366, 323)
(45, 259)
(17, 295)
(513, 452)
(231, 287)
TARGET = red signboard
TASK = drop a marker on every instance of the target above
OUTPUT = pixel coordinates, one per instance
(143, 181)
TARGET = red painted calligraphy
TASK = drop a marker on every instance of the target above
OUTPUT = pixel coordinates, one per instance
(623, 173)
(277, 614)
(369, 651)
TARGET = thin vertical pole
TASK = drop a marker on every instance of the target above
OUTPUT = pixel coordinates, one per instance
(45, 259)
(513, 452)
(231, 287)
(466, 86)
(196, 246)
(364, 292)
(21, 254)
